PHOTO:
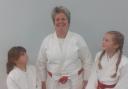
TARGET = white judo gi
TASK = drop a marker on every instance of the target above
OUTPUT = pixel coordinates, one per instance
(108, 69)
(64, 57)
(19, 79)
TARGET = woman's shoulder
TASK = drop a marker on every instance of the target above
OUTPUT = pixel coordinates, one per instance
(76, 35)
(46, 40)
(78, 38)
(48, 37)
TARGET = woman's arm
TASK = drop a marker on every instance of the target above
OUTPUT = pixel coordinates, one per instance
(85, 56)
(41, 66)
(86, 59)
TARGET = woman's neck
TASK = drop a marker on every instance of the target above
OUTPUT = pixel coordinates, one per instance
(61, 35)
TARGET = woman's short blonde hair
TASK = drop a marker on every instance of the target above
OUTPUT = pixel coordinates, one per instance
(61, 9)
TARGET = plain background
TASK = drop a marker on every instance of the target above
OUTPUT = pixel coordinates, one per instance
(27, 22)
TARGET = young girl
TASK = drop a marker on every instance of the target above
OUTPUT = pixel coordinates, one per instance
(20, 75)
(109, 63)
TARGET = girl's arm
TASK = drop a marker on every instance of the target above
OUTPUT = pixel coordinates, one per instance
(11, 84)
(123, 80)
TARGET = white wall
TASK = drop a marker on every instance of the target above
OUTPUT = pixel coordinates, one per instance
(27, 22)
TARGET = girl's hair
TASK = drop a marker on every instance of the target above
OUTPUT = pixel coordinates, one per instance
(118, 39)
(13, 54)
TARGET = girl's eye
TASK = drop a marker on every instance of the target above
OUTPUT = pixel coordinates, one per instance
(105, 40)
(57, 19)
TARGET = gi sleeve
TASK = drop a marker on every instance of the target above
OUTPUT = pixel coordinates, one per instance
(42, 63)
(123, 79)
(11, 84)
(85, 57)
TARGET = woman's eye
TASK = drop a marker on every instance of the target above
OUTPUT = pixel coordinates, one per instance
(63, 19)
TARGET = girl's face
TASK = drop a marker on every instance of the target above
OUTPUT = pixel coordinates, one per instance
(61, 23)
(108, 43)
(22, 60)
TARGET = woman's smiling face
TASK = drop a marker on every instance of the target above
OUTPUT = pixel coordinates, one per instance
(61, 23)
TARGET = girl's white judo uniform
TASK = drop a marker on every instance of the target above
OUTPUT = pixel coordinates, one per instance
(18, 79)
(108, 69)
(64, 57)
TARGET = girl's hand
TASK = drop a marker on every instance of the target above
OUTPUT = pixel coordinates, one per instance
(43, 85)
(84, 84)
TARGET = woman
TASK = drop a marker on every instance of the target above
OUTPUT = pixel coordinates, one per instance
(64, 59)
